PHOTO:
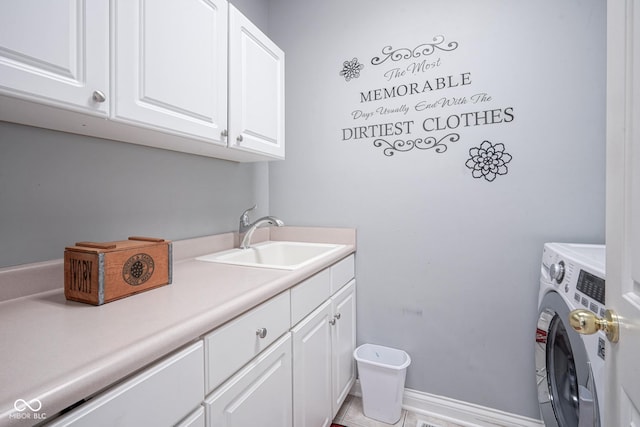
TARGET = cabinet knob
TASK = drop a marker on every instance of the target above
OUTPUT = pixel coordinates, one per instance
(239, 138)
(337, 316)
(332, 322)
(261, 332)
(224, 133)
(99, 96)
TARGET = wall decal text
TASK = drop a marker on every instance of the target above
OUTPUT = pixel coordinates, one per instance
(408, 105)
(415, 88)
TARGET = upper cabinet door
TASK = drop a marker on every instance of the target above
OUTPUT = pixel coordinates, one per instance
(170, 66)
(56, 53)
(256, 89)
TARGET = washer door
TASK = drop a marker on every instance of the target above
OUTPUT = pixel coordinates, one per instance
(566, 391)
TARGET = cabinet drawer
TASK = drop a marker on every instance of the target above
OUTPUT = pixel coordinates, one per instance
(161, 395)
(308, 295)
(342, 272)
(258, 395)
(232, 345)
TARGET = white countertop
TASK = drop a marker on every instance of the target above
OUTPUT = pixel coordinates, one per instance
(60, 351)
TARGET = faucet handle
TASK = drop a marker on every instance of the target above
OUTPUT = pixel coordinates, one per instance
(244, 218)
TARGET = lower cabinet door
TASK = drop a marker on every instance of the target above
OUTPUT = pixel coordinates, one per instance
(343, 343)
(259, 394)
(312, 369)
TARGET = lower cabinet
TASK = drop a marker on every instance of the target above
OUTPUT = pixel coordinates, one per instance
(256, 370)
(231, 346)
(343, 343)
(162, 395)
(312, 383)
(323, 366)
(259, 394)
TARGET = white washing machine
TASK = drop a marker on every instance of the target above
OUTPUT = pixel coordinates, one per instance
(570, 366)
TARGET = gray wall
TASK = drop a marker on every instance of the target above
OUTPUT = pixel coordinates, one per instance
(448, 264)
(256, 10)
(57, 188)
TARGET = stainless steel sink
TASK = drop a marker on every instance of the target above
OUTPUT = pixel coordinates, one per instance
(274, 254)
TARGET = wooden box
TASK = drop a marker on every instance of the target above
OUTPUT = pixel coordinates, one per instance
(97, 273)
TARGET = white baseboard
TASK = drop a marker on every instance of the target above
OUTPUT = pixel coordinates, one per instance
(456, 411)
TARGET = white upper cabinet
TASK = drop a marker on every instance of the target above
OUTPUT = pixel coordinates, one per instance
(170, 67)
(256, 89)
(193, 76)
(56, 53)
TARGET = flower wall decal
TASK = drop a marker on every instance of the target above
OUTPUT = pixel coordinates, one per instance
(488, 161)
(351, 69)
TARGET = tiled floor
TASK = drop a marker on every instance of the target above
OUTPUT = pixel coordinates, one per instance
(351, 415)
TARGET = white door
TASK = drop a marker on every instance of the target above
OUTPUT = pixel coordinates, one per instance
(622, 395)
(256, 89)
(343, 338)
(312, 369)
(170, 67)
(56, 53)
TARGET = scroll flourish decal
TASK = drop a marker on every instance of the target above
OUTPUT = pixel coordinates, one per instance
(424, 49)
(428, 143)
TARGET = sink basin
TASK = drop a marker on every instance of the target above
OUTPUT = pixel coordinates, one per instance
(274, 254)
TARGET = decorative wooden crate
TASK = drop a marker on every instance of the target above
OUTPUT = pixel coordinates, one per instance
(97, 273)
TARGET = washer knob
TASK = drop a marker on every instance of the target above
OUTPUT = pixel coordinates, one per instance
(556, 271)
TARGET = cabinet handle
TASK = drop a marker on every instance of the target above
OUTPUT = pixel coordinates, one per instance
(99, 96)
(239, 138)
(261, 332)
(224, 133)
(335, 318)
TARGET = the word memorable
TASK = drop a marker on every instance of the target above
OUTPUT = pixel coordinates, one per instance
(414, 88)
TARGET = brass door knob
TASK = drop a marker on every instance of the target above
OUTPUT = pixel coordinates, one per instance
(585, 322)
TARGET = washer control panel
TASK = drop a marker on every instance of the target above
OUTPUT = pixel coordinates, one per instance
(577, 270)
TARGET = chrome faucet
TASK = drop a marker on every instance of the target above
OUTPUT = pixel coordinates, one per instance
(247, 229)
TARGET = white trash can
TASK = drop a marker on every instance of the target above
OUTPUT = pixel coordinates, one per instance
(382, 372)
